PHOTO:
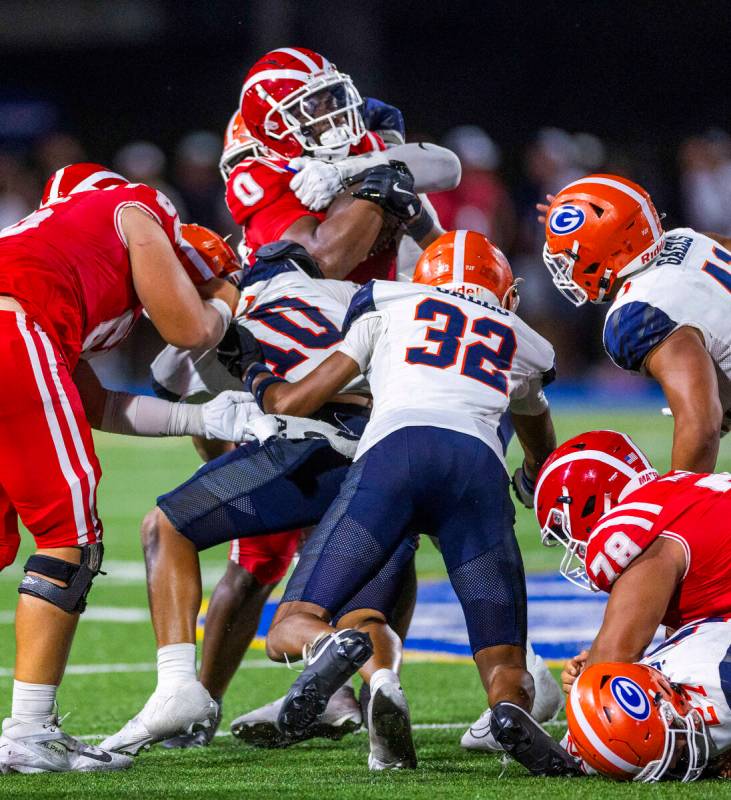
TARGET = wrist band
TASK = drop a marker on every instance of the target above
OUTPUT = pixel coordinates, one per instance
(422, 224)
(223, 310)
(257, 368)
(262, 387)
(252, 372)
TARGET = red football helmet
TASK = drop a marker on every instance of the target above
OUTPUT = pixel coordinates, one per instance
(295, 102)
(468, 263)
(580, 481)
(598, 229)
(205, 254)
(238, 144)
(628, 722)
(79, 178)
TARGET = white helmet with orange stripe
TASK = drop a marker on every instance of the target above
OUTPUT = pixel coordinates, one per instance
(295, 102)
(80, 177)
(599, 229)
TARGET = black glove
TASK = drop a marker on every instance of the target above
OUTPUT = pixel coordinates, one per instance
(238, 349)
(391, 187)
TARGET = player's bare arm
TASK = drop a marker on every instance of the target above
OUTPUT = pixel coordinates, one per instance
(537, 438)
(343, 240)
(683, 367)
(166, 292)
(307, 395)
(638, 602)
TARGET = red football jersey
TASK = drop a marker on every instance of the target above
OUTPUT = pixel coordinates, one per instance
(694, 510)
(260, 200)
(67, 264)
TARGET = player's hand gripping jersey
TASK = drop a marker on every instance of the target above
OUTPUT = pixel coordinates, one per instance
(295, 318)
(435, 358)
(67, 264)
(689, 284)
(690, 508)
(260, 200)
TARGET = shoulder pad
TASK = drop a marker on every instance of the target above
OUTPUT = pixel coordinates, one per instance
(361, 303)
(285, 248)
(632, 331)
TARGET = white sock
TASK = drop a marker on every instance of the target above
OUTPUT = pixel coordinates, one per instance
(175, 665)
(381, 676)
(33, 702)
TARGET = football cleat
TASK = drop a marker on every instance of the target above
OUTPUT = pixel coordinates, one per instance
(199, 736)
(548, 702)
(389, 730)
(31, 747)
(521, 737)
(329, 661)
(259, 727)
(183, 709)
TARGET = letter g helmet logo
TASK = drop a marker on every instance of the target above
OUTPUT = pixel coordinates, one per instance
(566, 219)
(631, 698)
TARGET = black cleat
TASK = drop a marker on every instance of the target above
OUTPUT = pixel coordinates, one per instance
(523, 738)
(198, 737)
(329, 662)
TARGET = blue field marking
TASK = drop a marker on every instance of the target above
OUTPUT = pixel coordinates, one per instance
(562, 619)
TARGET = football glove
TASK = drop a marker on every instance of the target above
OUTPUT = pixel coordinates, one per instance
(392, 188)
(238, 349)
(316, 182)
(524, 487)
(227, 417)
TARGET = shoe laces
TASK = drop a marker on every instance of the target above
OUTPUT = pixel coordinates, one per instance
(310, 648)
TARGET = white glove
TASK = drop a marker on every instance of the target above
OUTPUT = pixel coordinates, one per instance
(316, 183)
(228, 415)
(283, 427)
(524, 487)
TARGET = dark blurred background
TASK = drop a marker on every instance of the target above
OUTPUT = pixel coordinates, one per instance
(530, 95)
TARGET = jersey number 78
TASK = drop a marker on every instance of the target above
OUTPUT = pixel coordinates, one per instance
(498, 349)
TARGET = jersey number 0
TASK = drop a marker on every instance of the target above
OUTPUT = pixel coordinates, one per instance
(498, 349)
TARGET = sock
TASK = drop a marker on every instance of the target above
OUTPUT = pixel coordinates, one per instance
(33, 702)
(175, 665)
(381, 676)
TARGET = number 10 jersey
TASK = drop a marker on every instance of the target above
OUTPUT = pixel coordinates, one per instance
(436, 358)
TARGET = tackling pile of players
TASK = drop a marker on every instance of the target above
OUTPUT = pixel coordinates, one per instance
(345, 415)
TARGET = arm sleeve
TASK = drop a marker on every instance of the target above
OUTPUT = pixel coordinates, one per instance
(632, 331)
(137, 415)
(361, 339)
(435, 169)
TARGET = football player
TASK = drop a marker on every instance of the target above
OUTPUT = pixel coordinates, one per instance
(668, 291)
(74, 277)
(645, 539)
(308, 118)
(445, 358)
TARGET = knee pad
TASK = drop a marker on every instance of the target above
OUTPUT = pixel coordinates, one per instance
(77, 577)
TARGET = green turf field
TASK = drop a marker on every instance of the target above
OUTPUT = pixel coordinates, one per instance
(447, 695)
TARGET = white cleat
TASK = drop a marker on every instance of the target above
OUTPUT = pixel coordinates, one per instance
(31, 747)
(389, 730)
(182, 709)
(548, 702)
(259, 727)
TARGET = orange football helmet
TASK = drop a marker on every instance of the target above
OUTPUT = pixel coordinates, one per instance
(468, 263)
(238, 144)
(598, 229)
(628, 722)
(205, 254)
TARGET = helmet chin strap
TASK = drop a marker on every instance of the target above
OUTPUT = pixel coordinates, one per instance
(334, 144)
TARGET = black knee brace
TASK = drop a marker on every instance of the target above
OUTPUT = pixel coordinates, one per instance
(77, 577)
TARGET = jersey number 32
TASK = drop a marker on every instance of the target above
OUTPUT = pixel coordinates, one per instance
(497, 350)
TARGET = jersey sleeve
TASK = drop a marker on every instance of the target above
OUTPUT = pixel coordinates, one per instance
(362, 303)
(534, 368)
(341, 291)
(154, 203)
(633, 330)
(361, 339)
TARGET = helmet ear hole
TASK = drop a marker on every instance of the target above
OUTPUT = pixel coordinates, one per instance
(589, 506)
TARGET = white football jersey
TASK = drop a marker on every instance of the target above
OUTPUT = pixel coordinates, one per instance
(296, 319)
(689, 284)
(435, 358)
(698, 656)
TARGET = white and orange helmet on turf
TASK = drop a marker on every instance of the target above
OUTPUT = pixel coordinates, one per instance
(628, 722)
(238, 144)
(79, 177)
(598, 229)
(467, 262)
(295, 102)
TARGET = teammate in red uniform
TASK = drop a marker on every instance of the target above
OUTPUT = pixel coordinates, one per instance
(298, 106)
(660, 545)
(74, 277)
